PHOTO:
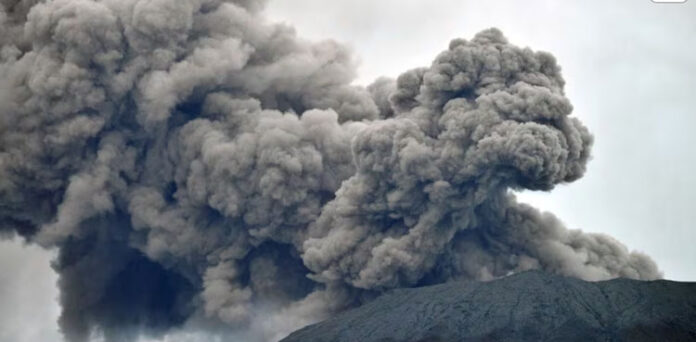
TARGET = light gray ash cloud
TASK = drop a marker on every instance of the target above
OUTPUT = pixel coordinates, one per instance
(196, 165)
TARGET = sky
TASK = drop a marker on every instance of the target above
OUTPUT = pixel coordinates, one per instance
(630, 68)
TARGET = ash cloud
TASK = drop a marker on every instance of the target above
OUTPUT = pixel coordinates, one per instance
(198, 167)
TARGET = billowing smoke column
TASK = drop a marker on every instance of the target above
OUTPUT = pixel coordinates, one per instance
(198, 166)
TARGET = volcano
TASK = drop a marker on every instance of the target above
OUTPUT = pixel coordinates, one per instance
(528, 306)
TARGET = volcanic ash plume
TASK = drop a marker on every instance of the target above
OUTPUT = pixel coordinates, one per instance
(198, 167)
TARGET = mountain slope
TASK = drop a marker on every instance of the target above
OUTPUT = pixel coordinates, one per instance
(530, 306)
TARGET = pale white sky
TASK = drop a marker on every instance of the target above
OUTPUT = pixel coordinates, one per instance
(630, 67)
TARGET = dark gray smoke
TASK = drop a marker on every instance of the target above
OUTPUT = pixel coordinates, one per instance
(197, 166)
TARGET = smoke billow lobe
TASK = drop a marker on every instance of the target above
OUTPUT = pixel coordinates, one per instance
(194, 163)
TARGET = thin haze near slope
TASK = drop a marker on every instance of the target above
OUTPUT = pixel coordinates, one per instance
(195, 165)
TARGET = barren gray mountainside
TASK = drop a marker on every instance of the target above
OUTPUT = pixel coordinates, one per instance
(529, 306)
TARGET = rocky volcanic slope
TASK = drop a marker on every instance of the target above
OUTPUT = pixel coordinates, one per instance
(530, 306)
